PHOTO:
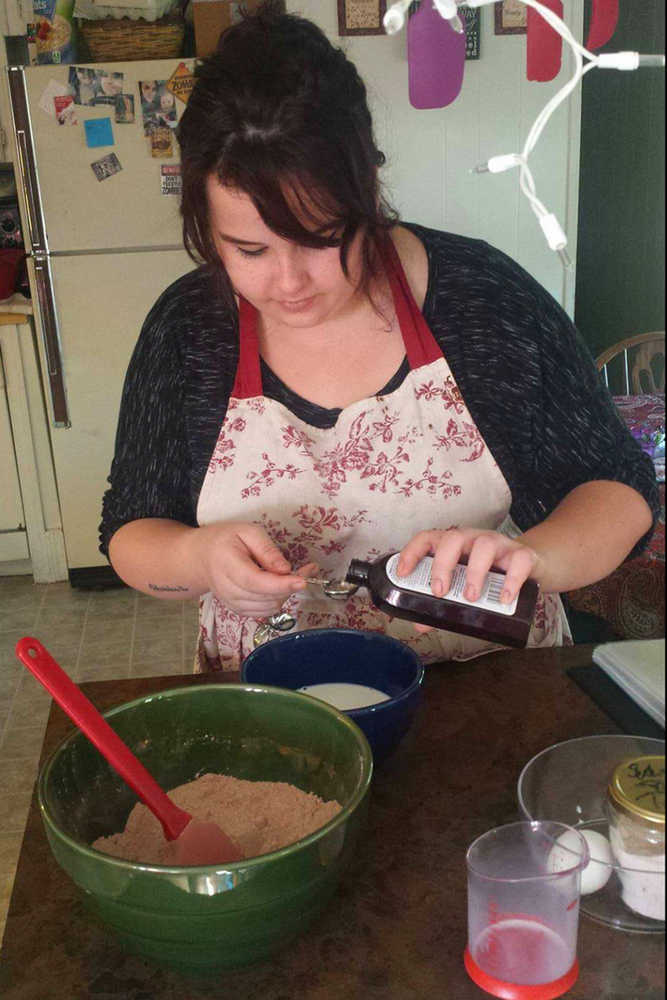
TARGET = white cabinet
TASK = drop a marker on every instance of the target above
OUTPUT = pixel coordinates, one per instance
(31, 537)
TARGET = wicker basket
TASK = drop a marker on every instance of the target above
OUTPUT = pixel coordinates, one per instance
(126, 40)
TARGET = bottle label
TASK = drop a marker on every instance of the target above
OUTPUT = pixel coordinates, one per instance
(420, 582)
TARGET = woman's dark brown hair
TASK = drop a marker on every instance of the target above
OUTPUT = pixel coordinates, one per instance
(281, 114)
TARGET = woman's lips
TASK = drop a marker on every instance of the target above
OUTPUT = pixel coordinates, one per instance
(297, 305)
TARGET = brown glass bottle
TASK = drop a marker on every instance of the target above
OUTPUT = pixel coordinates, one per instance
(411, 598)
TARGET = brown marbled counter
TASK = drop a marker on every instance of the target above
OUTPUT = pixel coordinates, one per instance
(396, 929)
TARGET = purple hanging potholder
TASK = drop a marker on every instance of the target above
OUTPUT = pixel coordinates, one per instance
(436, 58)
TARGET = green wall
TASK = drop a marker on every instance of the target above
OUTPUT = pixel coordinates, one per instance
(620, 288)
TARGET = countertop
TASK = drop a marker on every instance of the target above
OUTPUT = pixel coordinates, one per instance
(396, 928)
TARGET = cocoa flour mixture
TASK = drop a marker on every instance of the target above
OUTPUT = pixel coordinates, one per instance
(261, 816)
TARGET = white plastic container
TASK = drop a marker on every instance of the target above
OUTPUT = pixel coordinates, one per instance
(149, 10)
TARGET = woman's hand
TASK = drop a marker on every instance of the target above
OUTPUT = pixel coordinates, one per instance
(238, 562)
(483, 549)
(582, 540)
(244, 568)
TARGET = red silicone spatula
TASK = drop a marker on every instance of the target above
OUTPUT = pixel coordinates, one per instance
(196, 842)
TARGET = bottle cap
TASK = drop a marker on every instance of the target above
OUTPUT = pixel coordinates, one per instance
(637, 789)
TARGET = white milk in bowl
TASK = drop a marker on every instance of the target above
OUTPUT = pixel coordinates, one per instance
(345, 696)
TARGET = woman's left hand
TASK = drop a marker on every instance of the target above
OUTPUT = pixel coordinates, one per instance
(483, 548)
(582, 540)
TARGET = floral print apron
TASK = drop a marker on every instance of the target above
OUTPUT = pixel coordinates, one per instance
(392, 465)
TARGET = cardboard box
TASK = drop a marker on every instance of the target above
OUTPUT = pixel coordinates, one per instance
(211, 17)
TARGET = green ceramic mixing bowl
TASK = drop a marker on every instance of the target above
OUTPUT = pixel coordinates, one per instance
(200, 919)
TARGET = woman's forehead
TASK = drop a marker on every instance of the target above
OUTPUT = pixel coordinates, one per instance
(233, 212)
(313, 210)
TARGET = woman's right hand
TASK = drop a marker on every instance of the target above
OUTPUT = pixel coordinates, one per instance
(245, 569)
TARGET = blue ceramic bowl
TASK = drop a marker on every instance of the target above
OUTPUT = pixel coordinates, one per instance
(349, 656)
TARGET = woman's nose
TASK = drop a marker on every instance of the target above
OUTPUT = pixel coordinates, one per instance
(292, 271)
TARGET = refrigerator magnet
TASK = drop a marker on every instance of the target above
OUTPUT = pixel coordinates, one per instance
(125, 109)
(108, 86)
(107, 166)
(82, 85)
(158, 105)
(52, 89)
(170, 178)
(181, 82)
(65, 110)
(98, 132)
(90, 87)
(161, 141)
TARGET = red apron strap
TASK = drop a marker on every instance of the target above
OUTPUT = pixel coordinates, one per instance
(421, 346)
(248, 381)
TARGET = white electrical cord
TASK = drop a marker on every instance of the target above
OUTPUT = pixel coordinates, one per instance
(447, 10)
(553, 231)
(394, 17)
(394, 20)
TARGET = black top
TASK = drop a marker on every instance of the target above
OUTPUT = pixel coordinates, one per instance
(523, 370)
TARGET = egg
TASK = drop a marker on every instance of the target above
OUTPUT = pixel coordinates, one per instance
(598, 870)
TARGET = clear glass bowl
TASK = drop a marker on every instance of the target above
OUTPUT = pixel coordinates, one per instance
(567, 783)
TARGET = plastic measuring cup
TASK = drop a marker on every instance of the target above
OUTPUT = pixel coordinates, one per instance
(523, 916)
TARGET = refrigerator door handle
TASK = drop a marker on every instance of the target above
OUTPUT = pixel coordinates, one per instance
(48, 322)
(31, 208)
(20, 111)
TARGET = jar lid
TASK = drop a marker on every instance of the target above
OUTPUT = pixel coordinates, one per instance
(637, 788)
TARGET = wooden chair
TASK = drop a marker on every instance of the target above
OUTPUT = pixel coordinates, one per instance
(643, 362)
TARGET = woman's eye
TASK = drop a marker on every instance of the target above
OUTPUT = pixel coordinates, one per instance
(334, 239)
(251, 253)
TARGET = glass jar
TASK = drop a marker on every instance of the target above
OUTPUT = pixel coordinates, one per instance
(636, 813)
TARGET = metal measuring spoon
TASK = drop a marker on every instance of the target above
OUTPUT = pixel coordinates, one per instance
(337, 590)
(282, 621)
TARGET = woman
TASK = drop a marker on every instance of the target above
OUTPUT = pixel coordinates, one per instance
(333, 385)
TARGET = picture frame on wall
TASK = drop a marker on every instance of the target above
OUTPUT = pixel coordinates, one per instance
(471, 20)
(361, 17)
(509, 18)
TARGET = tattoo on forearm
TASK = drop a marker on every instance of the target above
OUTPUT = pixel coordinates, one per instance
(155, 586)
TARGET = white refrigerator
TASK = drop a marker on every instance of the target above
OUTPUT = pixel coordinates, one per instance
(100, 252)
